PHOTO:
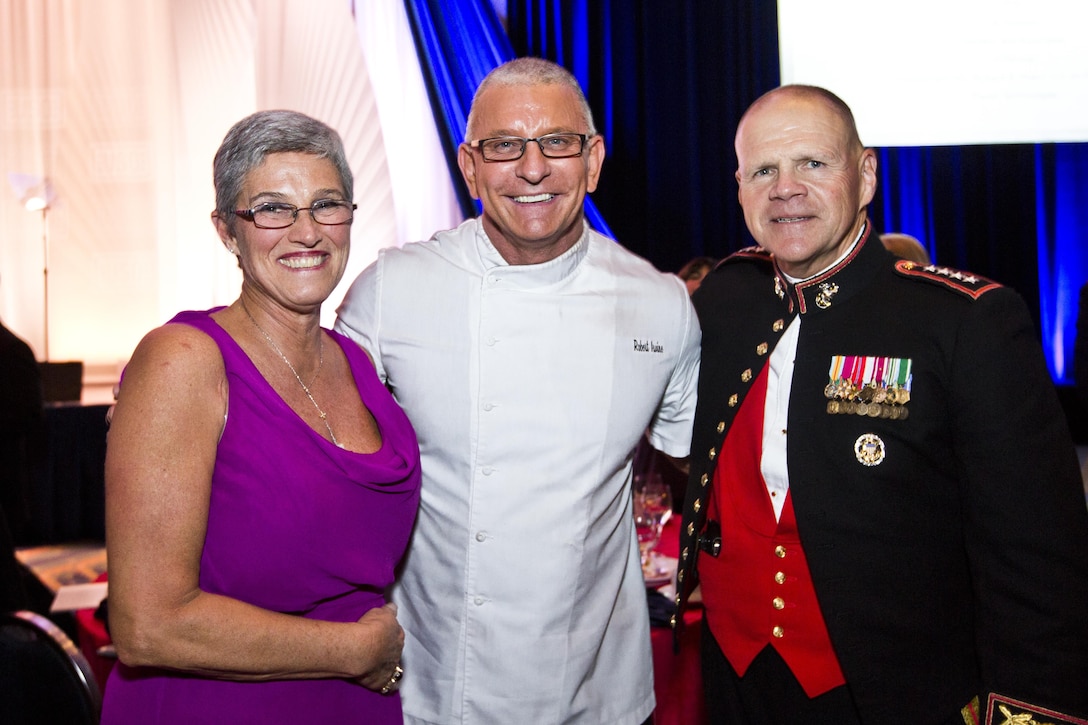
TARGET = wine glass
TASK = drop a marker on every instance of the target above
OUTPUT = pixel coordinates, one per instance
(653, 507)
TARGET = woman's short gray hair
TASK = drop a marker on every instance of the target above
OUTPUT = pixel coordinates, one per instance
(530, 72)
(252, 139)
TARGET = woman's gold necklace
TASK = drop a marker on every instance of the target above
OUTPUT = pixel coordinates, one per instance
(305, 388)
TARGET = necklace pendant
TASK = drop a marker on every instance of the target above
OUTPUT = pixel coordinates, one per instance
(305, 388)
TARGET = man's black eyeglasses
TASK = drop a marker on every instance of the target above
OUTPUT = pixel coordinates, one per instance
(512, 148)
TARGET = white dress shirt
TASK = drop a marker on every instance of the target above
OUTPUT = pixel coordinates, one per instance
(776, 408)
(521, 596)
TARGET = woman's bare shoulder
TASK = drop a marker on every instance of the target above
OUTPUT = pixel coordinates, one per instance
(175, 359)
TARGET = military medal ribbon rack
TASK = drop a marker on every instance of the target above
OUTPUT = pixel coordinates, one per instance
(876, 387)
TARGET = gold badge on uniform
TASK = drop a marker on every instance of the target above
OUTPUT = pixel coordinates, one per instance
(869, 449)
(1001, 710)
(827, 292)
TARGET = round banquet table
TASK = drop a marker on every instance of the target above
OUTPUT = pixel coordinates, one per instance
(93, 637)
(678, 682)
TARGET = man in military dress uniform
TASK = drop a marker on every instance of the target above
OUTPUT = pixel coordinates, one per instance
(884, 515)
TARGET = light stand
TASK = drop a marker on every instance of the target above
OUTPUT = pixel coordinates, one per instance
(36, 193)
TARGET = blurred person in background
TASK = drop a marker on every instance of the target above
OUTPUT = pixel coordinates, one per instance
(906, 247)
(694, 270)
(21, 447)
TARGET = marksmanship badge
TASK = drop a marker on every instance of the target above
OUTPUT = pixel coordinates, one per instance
(869, 449)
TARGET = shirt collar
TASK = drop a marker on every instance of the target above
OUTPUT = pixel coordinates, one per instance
(531, 275)
(837, 282)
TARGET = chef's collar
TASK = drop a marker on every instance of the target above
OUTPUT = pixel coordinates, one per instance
(530, 275)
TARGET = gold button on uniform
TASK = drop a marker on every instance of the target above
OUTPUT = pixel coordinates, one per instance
(721, 426)
(778, 325)
(780, 551)
(697, 505)
(761, 348)
(746, 375)
(777, 632)
(713, 453)
(703, 479)
(780, 577)
(778, 603)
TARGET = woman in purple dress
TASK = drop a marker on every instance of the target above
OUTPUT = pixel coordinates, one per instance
(261, 483)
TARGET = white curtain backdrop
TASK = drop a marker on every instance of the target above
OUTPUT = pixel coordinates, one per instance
(121, 104)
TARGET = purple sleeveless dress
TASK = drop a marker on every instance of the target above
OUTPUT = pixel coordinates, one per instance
(295, 525)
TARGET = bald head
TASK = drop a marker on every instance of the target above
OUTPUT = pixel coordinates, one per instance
(804, 178)
(800, 95)
(528, 72)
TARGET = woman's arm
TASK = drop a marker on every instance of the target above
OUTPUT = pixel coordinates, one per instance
(159, 463)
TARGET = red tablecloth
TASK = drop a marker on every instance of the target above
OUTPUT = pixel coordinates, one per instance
(678, 682)
(92, 635)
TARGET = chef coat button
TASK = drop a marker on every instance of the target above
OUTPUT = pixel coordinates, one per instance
(490, 341)
(778, 603)
(480, 536)
(780, 551)
(488, 406)
(478, 601)
(778, 632)
(487, 470)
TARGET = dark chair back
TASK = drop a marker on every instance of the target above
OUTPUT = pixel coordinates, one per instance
(43, 676)
(62, 382)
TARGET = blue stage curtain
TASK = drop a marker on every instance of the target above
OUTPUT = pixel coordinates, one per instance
(1061, 195)
(1008, 212)
(668, 83)
(459, 42)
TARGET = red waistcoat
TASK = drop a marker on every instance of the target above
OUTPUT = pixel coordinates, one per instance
(759, 590)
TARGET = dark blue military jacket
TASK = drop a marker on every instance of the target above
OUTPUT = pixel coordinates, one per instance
(948, 541)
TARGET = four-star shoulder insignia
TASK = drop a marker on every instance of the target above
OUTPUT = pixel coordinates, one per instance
(746, 254)
(752, 254)
(972, 285)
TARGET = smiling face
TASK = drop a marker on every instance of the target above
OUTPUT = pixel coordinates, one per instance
(298, 266)
(804, 179)
(532, 207)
